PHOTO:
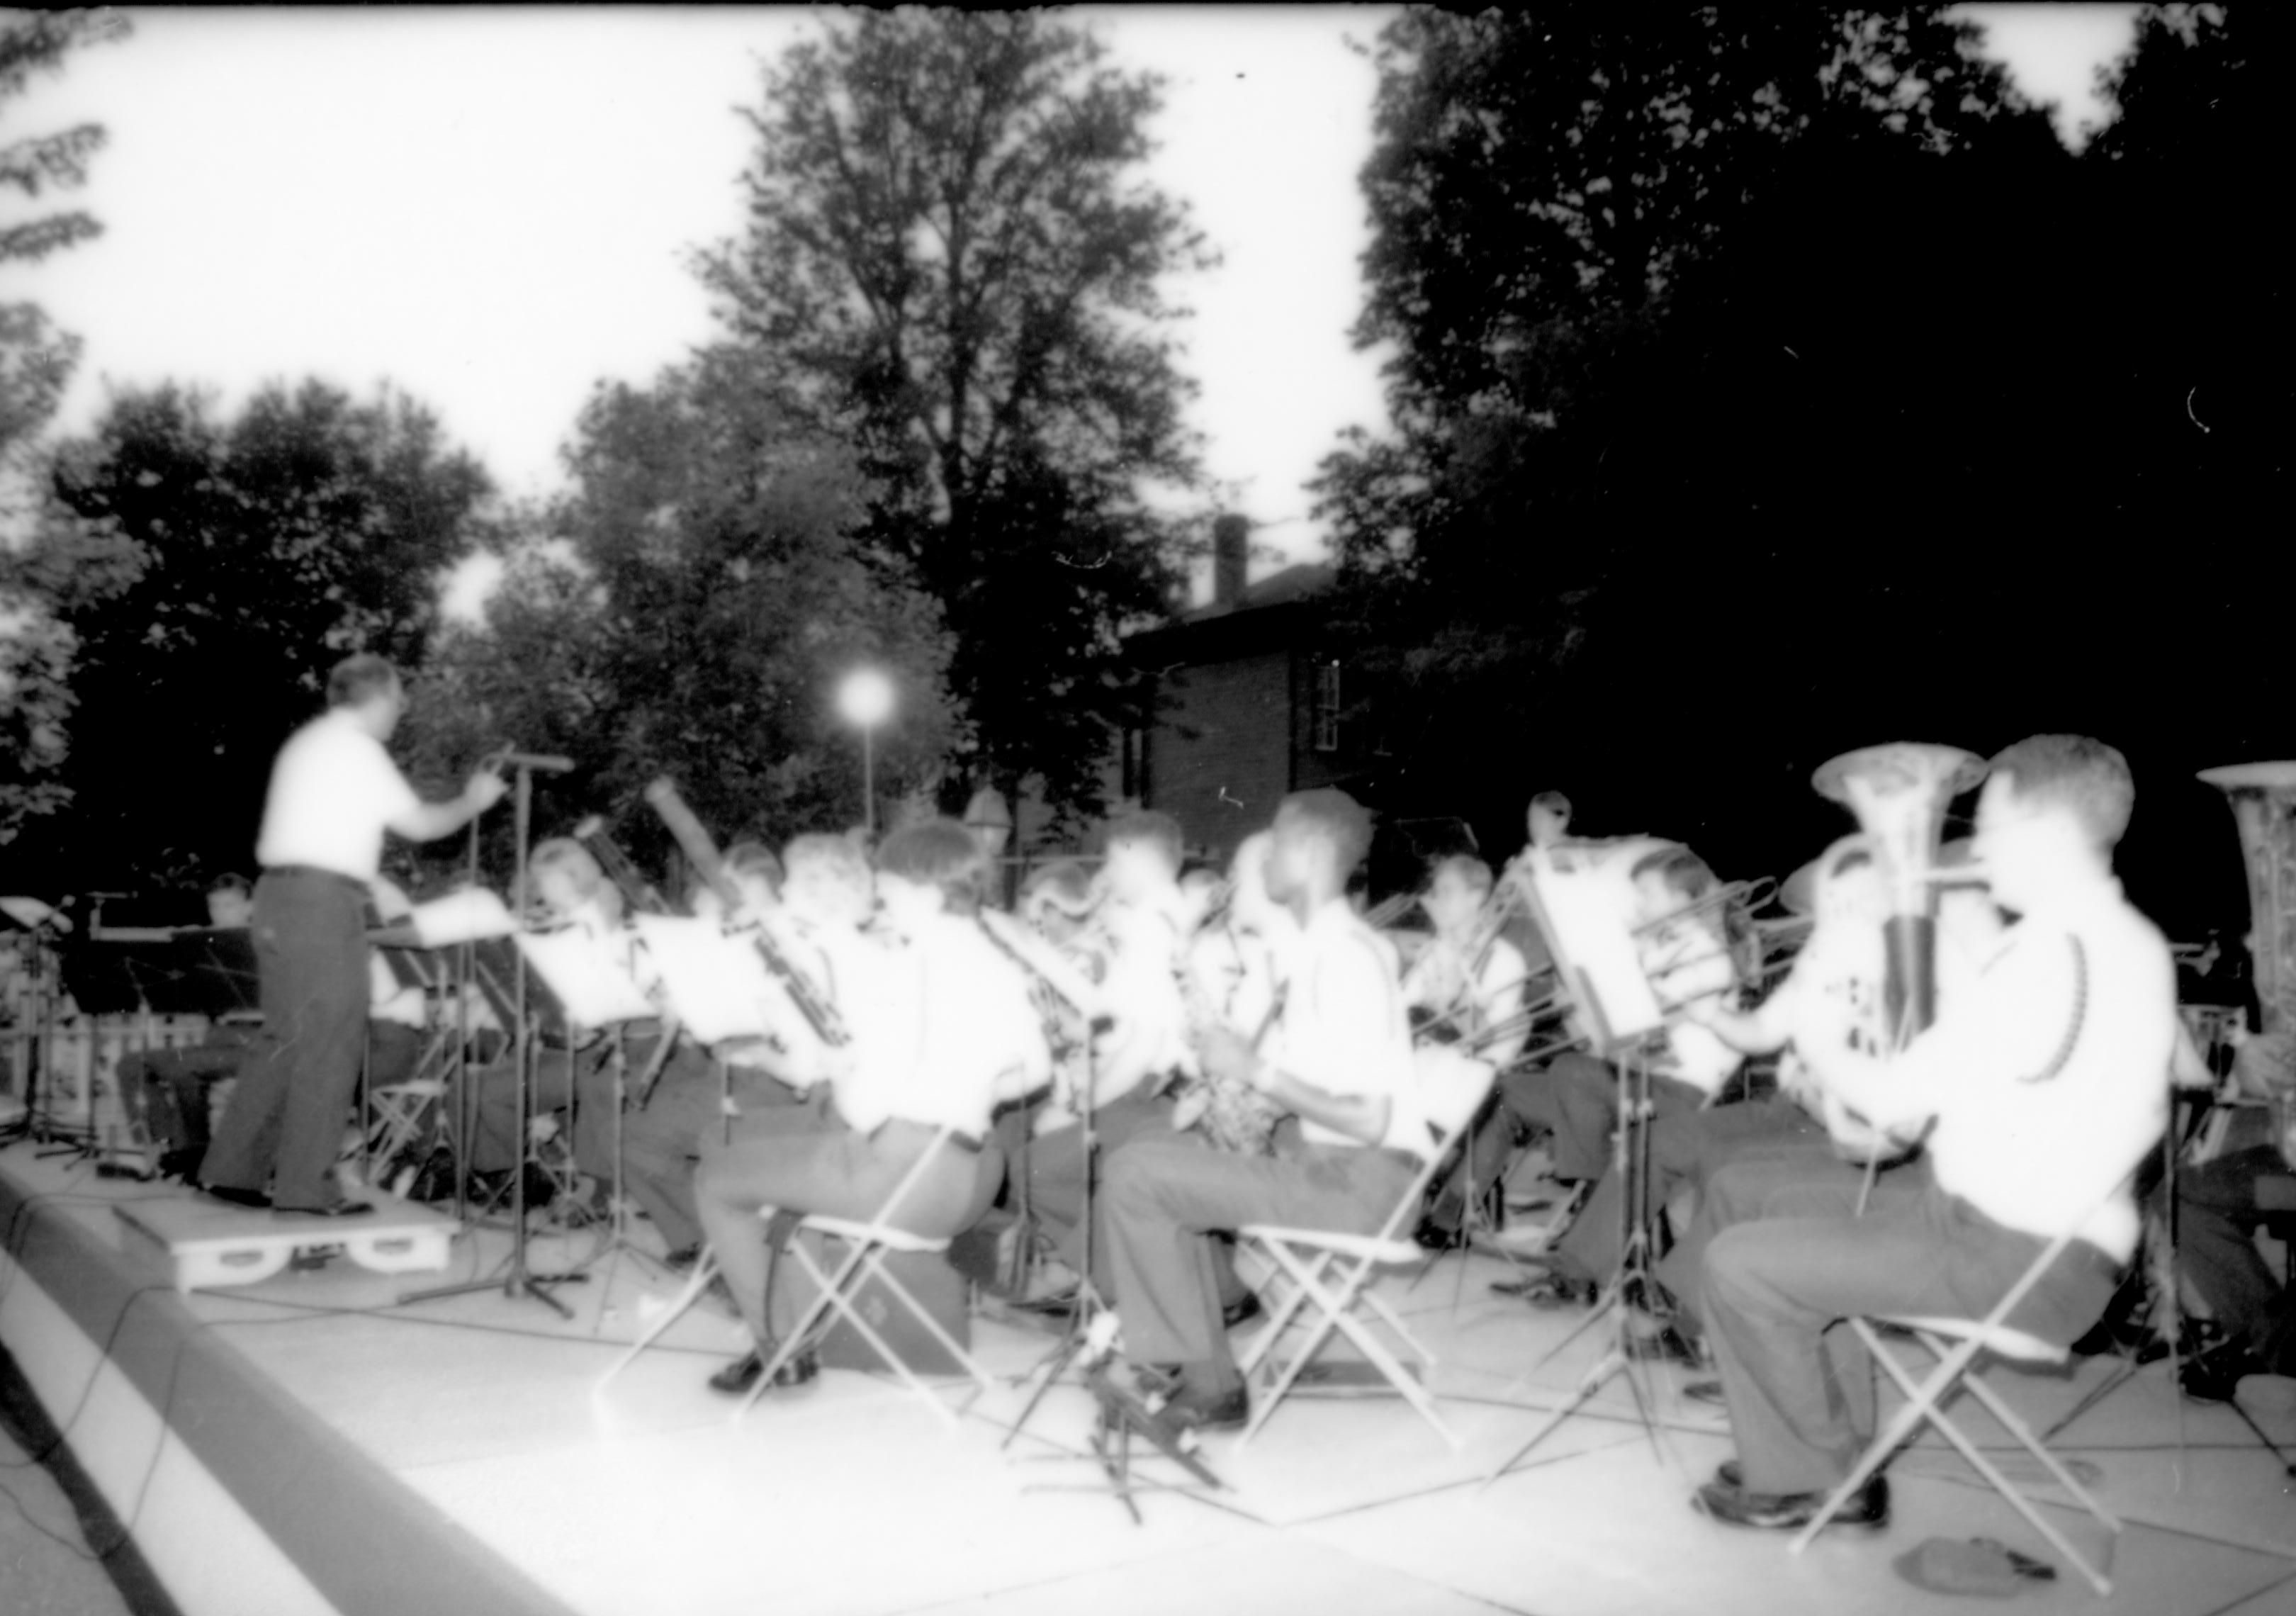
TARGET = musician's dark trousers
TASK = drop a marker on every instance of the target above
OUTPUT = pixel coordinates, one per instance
(662, 1140)
(2219, 1205)
(1685, 1145)
(286, 1121)
(1056, 1186)
(1745, 1181)
(169, 1087)
(814, 1162)
(1165, 1201)
(1798, 1381)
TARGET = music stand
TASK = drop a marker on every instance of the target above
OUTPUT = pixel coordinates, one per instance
(513, 1276)
(42, 973)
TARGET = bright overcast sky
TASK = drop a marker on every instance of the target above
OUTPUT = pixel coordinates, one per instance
(492, 209)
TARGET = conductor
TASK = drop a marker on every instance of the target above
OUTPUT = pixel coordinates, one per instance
(334, 793)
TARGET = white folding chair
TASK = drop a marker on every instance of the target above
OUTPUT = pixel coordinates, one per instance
(1956, 1343)
(1333, 1270)
(867, 1246)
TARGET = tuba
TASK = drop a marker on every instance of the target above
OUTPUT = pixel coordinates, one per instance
(2263, 797)
(1899, 793)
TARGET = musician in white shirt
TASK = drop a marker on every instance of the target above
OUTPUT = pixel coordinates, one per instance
(1466, 986)
(2037, 1093)
(949, 1032)
(1344, 1069)
(334, 793)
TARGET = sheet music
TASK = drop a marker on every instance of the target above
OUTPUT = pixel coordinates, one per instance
(1587, 907)
(717, 985)
(462, 917)
(590, 975)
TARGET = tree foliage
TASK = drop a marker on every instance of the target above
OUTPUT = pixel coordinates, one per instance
(950, 261)
(689, 609)
(1754, 371)
(271, 545)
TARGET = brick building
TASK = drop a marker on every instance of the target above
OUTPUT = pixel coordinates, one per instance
(1250, 702)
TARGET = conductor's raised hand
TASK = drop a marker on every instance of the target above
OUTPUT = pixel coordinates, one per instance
(485, 790)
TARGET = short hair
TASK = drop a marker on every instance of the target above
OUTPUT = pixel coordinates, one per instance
(1682, 870)
(835, 856)
(356, 678)
(1159, 830)
(564, 852)
(1470, 869)
(1553, 802)
(1338, 817)
(751, 857)
(938, 853)
(233, 882)
(2084, 777)
(1065, 882)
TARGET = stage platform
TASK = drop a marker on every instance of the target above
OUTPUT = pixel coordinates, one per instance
(306, 1443)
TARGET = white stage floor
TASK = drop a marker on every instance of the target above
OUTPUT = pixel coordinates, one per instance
(846, 1495)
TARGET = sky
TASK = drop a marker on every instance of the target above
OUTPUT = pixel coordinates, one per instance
(494, 210)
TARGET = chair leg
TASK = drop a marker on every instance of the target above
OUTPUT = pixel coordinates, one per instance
(875, 1265)
(824, 1299)
(704, 1268)
(1901, 1425)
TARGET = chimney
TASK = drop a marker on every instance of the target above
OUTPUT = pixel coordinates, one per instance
(1231, 553)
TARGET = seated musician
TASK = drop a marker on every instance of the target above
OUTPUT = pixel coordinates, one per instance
(570, 891)
(2037, 1092)
(1237, 961)
(1466, 985)
(825, 900)
(1685, 950)
(1135, 1059)
(947, 1032)
(1343, 1064)
(2219, 1203)
(168, 1089)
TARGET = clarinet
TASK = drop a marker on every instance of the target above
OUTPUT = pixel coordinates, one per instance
(820, 1014)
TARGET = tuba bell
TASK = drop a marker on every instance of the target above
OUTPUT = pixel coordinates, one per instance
(2263, 797)
(1899, 793)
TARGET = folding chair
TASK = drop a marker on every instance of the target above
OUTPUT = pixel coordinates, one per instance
(867, 1246)
(1956, 1342)
(1333, 1270)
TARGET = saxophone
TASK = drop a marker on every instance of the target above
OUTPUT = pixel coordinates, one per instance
(1235, 1117)
(2263, 797)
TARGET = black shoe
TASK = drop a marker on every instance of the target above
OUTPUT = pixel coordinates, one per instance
(1190, 1410)
(738, 1376)
(341, 1208)
(2215, 1377)
(682, 1260)
(1547, 1289)
(184, 1164)
(1242, 1310)
(1707, 1391)
(1668, 1346)
(1726, 1498)
(231, 1195)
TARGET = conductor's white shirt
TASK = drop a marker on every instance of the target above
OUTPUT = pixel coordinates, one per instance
(333, 790)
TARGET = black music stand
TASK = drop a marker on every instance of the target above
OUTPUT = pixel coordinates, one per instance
(513, 1276)
(42, 971)
(1630, 1282)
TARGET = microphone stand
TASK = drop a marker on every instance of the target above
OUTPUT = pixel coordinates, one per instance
(515, 1277)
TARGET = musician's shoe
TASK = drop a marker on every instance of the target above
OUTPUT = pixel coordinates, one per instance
(1727, 1498)
(341, 1208)
(1549, 1288)
(231, 1195)
(184, 1164)
(2215, 1377)
(1707, 1391)
(1242, 1310)
(1668, 1345)
(738, 1376)
(1192, 1408)
(682, 1260)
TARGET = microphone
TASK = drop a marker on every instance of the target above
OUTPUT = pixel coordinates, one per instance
(544, 763)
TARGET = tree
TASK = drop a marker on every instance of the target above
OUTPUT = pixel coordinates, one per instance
(688, 610)
(1755, 372)
(272, 544)
(79, 565)
(950, 263)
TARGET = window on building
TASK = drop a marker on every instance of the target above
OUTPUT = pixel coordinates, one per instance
(1327, 706)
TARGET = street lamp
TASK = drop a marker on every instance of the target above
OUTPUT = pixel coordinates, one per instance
(865, 697)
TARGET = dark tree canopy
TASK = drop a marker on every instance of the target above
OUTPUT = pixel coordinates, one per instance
(951, 261)
(272, 545)
(1767, 383)
(689, 611)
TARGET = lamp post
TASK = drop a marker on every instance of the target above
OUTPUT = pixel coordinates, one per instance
(865, 697)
